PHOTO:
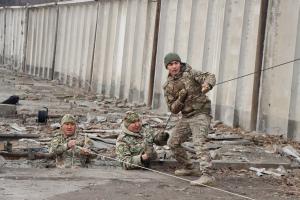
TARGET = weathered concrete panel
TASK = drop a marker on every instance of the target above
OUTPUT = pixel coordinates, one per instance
(2, 34)
(234, 99)
(75, 43)
(123, 50)
(41, 41)
(279, 109)
(7, 110)
(15, 30)
(218, 36)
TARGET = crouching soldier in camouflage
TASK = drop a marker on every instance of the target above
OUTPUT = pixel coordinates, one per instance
(134, 145)
(70, 149)
(184, 92)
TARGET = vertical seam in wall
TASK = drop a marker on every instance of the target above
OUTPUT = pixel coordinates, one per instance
(55, 42)
(236, 112)
(258, 63)
(25, 38)
(4, 35)
(292, 119)
(93, 54)
(154, 53)
(220, 70)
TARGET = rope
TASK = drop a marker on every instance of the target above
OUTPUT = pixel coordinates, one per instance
(183, 179)
(268, 68)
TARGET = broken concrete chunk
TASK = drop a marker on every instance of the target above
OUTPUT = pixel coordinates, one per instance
(234, 142)
(17, 127)
(83, 105)
(25, 142)
(215, 155)
(290, 151)
(281, 170)
(224, 136)
(102, 131)
(2, 161)
(7, 110)
(55, 126)
(262, 171)
(90, 118)
(119, 121)
(166, 147)
(101, 119)
(157, 120)
(105, 140)
(12, 136)
(100, 145)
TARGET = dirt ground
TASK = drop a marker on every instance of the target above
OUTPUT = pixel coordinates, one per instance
(114, 184)
(37, 179)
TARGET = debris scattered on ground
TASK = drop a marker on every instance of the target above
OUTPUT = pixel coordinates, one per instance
(100, 118)
(290, 151)
(262, 171)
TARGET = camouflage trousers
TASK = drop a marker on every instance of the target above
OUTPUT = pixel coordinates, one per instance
(197, 126)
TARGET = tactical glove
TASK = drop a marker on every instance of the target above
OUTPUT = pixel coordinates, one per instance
(149, 150)
(182, 95)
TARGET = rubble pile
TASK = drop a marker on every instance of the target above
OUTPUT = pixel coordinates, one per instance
(24, 140)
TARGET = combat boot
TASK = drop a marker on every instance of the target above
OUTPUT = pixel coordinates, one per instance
(187, 172)
(205, 179)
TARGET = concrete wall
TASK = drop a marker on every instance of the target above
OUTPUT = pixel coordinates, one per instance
(41, 38)
(279, 110)
(75, 43)
(15, 31)
(123, 49)
(219, 36)
(116, 48)
(2, 35)
(25, 2)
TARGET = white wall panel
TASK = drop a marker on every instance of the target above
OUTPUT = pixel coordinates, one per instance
(279, 101)
(2, 35)
(217, 36)
(109, 43)
(15, 31)
(75, 43)
(41, 41)
(123, 49)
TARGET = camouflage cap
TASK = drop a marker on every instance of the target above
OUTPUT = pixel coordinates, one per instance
(170, 57)
(68, 118)
(130, 117)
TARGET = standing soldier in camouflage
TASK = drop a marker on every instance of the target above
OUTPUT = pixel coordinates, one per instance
(134, 146)
(70, 149)
(184, 92)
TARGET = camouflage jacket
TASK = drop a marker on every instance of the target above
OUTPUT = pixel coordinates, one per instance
(66, 157)
(191, 81)
(130, 146)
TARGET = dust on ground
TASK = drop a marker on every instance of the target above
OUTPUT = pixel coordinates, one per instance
(24, 177)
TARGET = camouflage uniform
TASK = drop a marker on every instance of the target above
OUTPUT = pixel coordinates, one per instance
(69, 157)
(183, 94)
(130, 146)
(66, 157)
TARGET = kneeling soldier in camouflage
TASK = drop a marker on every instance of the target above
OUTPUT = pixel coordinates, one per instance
(70, 149)
(135, 144)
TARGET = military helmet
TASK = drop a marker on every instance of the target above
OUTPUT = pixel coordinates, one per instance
(170, 57)
(130, 118)
(68, 118)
